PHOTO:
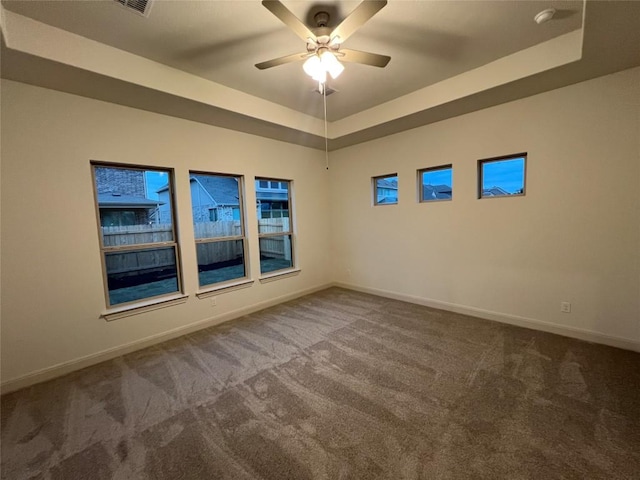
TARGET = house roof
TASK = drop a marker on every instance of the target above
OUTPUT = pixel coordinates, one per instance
(116, 200)
(436, 191)
(384, 183)
(494, 192)
(223, 190)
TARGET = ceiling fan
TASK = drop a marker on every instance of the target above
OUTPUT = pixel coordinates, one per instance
(324, 45)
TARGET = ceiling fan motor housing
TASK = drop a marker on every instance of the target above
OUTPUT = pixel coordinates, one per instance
(322, 19)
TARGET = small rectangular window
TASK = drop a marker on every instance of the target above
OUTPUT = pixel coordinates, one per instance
(435, 183)
(137, 235)
(502, 176)
(218, 223)
(385, 189)
(275, 228)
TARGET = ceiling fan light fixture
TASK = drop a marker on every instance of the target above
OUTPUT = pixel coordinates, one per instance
(312, 65)
(315, 69)
(323, 43)
(331, 64)
(320, 76)
(318, 65)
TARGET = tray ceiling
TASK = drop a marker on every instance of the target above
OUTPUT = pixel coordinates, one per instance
(197, 58)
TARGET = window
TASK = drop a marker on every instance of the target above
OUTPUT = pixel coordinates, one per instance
(216, 203)
(385, 189)
(137, 235)
(275, 229)
(435, 183)
(502, 176)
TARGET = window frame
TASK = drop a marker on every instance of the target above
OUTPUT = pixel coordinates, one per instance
(290, 232)
(421, 173)
(374, 185)
(146, 302)
(226, 284)
(502, 158)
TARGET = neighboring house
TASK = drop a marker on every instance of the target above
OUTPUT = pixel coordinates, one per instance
(494, 192)
(121, 198)
(117, 210)
(213, 198)
(387, 191)
(272, 199)
(436, 192)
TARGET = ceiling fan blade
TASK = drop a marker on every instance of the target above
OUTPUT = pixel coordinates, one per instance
(289, 19)
(366, 58)
(281, 60)
(357, 18)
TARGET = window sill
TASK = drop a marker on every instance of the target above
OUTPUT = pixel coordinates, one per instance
(229, 287)
(271, 277)
(511, 195)
(436, 200)
(143, 307)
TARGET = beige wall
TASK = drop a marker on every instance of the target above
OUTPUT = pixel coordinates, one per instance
(574, 237)
(52, 289)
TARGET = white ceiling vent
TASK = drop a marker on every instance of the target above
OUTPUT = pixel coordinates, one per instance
(141, 7)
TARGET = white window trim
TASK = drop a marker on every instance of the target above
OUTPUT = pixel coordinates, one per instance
(293, 270)
(220, 287)
(144, 306)
(374, 186)
(115, 311)
(224, 288)
(482, 162)
(271, 277)
(421, 173)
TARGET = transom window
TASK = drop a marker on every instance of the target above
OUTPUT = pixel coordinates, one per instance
(502, 176)
(137, 236)
(218, 223)
(435, 183)
(275, 226)
(385, 189)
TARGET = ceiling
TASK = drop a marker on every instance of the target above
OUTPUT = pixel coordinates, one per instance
(447, 58)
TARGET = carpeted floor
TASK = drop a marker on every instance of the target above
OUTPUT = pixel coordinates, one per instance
(337, 385)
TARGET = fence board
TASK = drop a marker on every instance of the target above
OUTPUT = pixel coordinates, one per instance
(217, 229)
(135, 234)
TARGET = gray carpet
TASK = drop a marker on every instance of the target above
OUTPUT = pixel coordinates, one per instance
(337, 385)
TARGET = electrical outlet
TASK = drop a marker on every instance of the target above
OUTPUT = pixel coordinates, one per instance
(565, 307)
(213, 302)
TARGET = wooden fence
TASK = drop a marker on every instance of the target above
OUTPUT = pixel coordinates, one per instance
(217, 229)
(133, 263)
(135, 234)
(275, 247)
(154, 259)
(137, 262)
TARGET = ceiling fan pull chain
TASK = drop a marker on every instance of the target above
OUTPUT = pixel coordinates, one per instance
(323, 89)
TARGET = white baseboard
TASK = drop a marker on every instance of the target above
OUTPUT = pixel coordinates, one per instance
(95, 358)
(86, 361)
(573, 332)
